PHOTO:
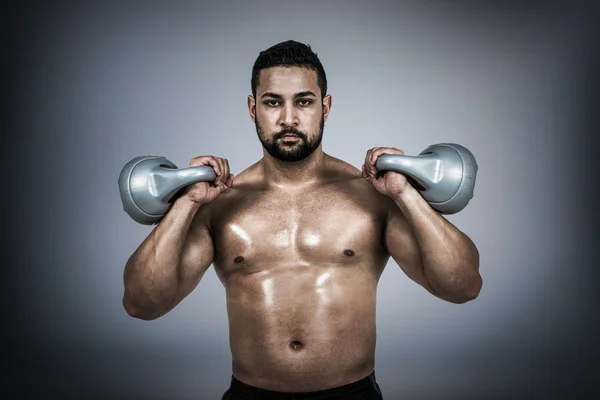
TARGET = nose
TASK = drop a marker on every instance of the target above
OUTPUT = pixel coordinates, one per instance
(289, 116)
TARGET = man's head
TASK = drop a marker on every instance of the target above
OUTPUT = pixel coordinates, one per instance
(289, 102)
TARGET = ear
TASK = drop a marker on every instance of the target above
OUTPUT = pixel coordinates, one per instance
(252, 108)
(326, 106)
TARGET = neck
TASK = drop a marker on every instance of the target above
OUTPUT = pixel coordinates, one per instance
(293, 174)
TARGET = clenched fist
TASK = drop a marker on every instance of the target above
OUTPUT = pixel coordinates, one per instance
(389, 183)
(205, 192)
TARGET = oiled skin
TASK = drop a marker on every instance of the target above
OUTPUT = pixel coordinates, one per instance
(300, 269)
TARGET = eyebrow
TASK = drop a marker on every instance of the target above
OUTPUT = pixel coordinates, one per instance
(278, 96)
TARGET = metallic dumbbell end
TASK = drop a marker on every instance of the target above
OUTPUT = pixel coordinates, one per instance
(443, 173)
(459, 161)
(150, 184)
(131, 186)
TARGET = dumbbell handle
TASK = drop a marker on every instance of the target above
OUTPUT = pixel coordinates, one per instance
(164, 183)
(427, 170)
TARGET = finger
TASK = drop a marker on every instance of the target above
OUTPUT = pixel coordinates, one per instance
(372, 160)
(381, 151)
(219, 178)
(376, 153)
(210, 161)
(367, 161)
(366, 174)
(229, 182)
(199, 161)
(226, 171)
(385, 150)
(218, 171)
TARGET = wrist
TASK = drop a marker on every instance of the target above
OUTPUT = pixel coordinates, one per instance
(186, 204)
(407, 196)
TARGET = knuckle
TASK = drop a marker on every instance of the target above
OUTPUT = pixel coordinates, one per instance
(199, 160)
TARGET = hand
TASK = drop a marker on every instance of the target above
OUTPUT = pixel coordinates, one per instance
(389, 183)
(205, 192)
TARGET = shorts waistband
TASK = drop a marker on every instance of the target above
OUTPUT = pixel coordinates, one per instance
(368, 382)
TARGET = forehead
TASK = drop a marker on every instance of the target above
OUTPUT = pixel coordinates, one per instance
(287, 80)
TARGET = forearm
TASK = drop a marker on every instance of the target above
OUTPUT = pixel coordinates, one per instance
(152, 273)
(450, 259)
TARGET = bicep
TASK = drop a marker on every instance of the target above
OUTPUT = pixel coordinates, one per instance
(402, 246)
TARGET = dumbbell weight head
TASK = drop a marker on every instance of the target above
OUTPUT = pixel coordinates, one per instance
(443, 173)
(148, 185)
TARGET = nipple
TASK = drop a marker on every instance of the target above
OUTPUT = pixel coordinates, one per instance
(296, 345)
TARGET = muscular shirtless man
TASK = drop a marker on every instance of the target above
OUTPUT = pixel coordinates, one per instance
(299, 241)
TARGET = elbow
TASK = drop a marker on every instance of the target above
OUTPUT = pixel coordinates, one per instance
(469, 292)
(138, 312)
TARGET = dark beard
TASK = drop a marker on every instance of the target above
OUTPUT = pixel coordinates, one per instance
(299, 151)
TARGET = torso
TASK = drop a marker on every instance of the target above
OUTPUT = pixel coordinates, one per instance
(300, 269)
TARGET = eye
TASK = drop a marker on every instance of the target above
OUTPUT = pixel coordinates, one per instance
(305, 102)
(271, 103)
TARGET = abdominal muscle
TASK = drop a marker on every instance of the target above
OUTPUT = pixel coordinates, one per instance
(302, 327)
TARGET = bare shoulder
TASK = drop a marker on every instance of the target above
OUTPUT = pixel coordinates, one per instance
(245, 183)
(349, 178)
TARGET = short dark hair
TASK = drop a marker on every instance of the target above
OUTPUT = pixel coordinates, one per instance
(289, 54)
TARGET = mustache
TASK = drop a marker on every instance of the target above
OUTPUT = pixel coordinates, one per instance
(290, 131)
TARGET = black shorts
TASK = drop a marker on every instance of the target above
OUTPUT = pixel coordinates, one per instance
(364, 389)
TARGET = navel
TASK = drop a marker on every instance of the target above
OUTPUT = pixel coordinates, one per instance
(296, 345)
(238, 259)
(348, 252)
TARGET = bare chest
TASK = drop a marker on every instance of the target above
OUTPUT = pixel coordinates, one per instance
(303, 228)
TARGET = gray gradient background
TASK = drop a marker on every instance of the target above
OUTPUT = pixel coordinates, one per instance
(92, 87)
